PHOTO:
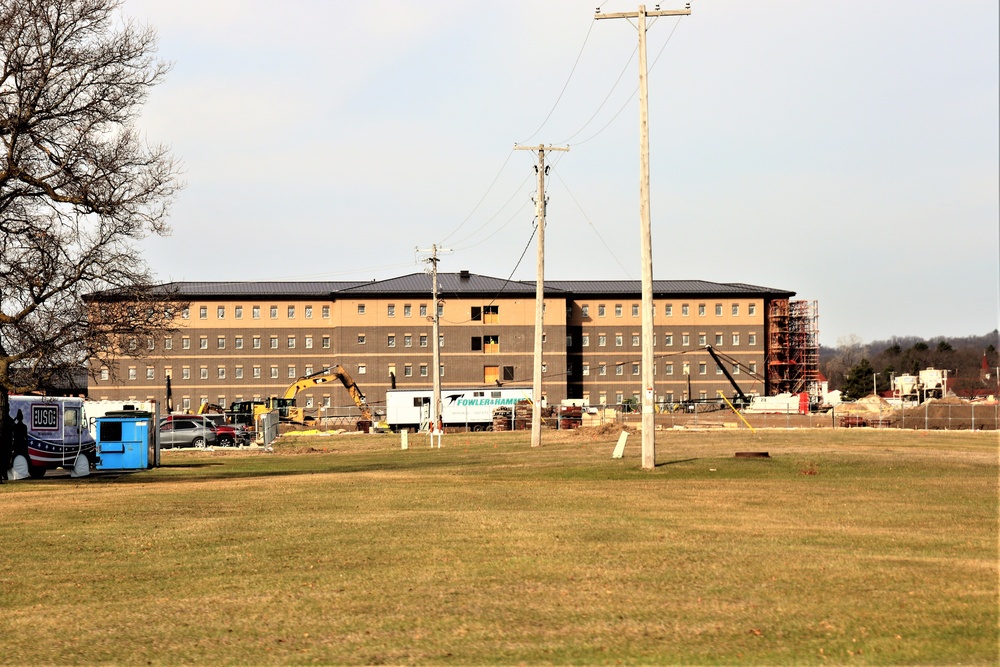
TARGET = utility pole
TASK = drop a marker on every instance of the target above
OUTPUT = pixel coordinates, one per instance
(536, 380)
(435, 331)
(646, 250)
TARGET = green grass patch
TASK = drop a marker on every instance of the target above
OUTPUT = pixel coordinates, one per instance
(843, 547)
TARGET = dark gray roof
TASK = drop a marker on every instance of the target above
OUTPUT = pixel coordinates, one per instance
(663, 288)
(448, 283)
(461, 283)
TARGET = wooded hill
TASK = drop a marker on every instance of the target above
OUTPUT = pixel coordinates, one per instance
(851, 365)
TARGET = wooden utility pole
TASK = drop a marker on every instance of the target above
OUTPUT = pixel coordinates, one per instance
(646, 251)
(435, 331)
(536, 380)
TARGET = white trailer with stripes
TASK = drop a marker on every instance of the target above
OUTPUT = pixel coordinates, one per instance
(471, 408)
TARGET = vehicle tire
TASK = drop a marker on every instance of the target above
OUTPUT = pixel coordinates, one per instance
(36, 472)
(199, 443)
(226, 441)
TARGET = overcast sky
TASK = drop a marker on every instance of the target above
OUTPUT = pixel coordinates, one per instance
(847, 152)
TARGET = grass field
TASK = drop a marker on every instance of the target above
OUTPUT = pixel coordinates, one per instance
(844, 547)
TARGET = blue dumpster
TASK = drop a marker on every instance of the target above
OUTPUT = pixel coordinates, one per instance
(123, 443)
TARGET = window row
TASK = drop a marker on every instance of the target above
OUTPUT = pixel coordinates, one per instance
(634, 368)
(407, 340)
(390, 309)
(668, 309)
(668, 339)
(238, 342)
(255, 312)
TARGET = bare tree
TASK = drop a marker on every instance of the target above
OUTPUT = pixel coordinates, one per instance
(78, 188)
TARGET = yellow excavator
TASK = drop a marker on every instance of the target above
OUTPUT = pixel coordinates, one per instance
(285, 405)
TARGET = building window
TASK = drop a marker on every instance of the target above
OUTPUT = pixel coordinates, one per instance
(423, 310)
(718, 369)
(361, 339)
(600, 310)
(685, 310)
(585, 340)
(326, 312)
(326, 342)
(407, 370)
(619, 340)
(753, 367)
(168, 343)
(291, 312)
(619, 397)
(203, 343)
(635, 310)
(441, 340)
(686, 368)
(545, 367)
(239, 372)
(569, 341)
(186, 314)
(668, 310)
(238, 342)
(256, 372)
(274, 312)
(602, 340)
(585, 310)
(274, 372)
(736, 310)
(602, 369)
(702, 368)
(255, 312)
(185, 343)
(309, 370)
(274, 342)
(362, 369)
(619, 369)
(309, 342)
(670, 368)
(701, 310)
(751, 339)
(423, 370)
(441, 370)
(718, 339)
(309, 312)
(751, 309)
(186, 403)
(220, 312)
(702, 340)
(635, 340)
(407, 310)
(256, 342)
(150, 344)
(736, 339)
(222, 372)
(391, 340)
(291, 342)
(618, 310)
(238, 312)
(186, 373)
(585, 369)
(391, 310)
(718, 310)
(291, 372)
(203, 372)
(668, 340)
(685, 339)
(423, 340)
(407, 340)
(150, 373)
(736, 369)
(440, 309)
(203, 313)
(635, 368)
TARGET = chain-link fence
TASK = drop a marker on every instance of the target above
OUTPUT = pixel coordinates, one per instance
(932, 415)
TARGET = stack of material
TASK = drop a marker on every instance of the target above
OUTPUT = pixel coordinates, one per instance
(594, 417)
(522, 415)
(501, 419)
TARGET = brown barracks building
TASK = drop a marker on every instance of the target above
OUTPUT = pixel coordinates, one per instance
(251, 340)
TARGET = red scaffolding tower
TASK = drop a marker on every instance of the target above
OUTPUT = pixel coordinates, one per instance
(793, 348)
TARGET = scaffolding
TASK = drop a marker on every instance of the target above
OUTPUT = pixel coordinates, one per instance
(793, 348)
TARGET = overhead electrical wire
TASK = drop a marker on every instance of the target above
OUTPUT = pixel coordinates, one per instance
(565, 85)
(497, 230)
(482, 199)
(587, 218)
(606, 98)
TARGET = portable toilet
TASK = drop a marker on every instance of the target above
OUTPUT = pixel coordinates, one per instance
(124, 442)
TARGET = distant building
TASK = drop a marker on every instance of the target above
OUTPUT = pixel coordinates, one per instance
(250, 340)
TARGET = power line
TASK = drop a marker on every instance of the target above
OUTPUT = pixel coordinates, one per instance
(585, 217)
(482, 199)
(565, 85)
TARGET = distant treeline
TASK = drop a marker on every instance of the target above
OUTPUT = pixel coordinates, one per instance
(852, 365)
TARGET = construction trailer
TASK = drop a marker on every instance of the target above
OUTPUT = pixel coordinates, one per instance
(470, 408)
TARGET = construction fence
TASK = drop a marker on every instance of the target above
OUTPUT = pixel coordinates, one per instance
(946, 414)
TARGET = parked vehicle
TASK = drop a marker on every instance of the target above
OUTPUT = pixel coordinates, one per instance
(471, 408)
(51, 433)
(229, 435)
(186, 431)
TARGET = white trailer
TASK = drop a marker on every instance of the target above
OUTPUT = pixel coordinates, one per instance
(472, 408)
